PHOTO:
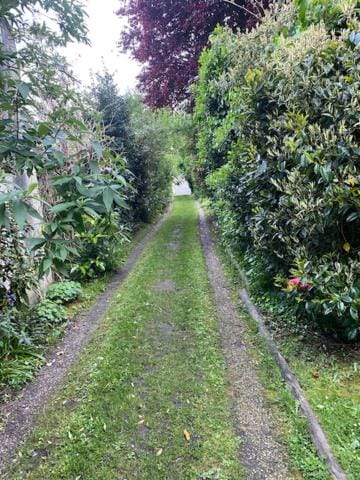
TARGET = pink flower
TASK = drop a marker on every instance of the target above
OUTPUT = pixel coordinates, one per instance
(297, 282)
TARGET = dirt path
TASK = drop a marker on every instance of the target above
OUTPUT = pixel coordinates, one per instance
(261, 451)
(159, 393)
(22, 412)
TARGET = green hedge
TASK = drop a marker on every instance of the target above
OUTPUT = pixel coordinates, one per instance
(278, 127)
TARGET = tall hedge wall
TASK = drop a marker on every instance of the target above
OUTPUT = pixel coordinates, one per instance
(278, 126)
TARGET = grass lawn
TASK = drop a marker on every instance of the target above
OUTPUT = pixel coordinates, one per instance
(331, 382)
(148, 399)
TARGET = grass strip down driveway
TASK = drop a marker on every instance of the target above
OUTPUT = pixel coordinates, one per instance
(148, 398)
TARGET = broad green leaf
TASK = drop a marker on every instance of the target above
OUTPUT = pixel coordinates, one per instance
(62, 253)
(43, 129)
(121, 202)
(59, 181)
(108, 198)
(62, 207)
(35, 243)
(19, 209)
(34, 213)
(46, 265)
(23, 89)
(91, 212)
(94, 167)
(97, 148)
(31, 188)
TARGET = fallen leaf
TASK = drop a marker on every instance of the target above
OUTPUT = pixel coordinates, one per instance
(159, 452)
(187, 435)
(347, 247)
(60, 353)
(316, 374)
(141, 422)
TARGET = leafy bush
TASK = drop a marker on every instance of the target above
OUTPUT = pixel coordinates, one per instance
(142, 137)
(17, 268)
(19, 358)
(63, 292)
(149, 163)
(99, 247)
(278, 133)
(49, 313)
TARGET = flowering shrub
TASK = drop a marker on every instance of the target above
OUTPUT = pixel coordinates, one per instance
(278, 133)
(298, 284)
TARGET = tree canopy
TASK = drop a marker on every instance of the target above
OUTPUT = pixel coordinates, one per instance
(167, 36)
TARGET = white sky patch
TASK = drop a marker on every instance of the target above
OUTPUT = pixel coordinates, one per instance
(104, 33)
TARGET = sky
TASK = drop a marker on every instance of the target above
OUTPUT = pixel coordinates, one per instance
(104, 31)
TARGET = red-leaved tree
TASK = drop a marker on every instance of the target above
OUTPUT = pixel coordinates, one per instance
(167, 37)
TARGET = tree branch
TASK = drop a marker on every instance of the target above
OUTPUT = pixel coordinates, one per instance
(234, 4)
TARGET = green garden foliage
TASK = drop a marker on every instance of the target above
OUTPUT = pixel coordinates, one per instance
(63, 292)
(18, 356)
(141, 136)
(49, 313)
(277, 119)
(50, 133)
(68, 197)
(100, 247)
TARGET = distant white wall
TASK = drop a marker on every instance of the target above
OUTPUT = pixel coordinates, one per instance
(181, 187)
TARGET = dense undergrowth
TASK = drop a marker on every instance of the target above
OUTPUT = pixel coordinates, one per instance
(277, 127)
(28, 332)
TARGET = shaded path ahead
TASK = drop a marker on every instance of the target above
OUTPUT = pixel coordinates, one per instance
(152, 397)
